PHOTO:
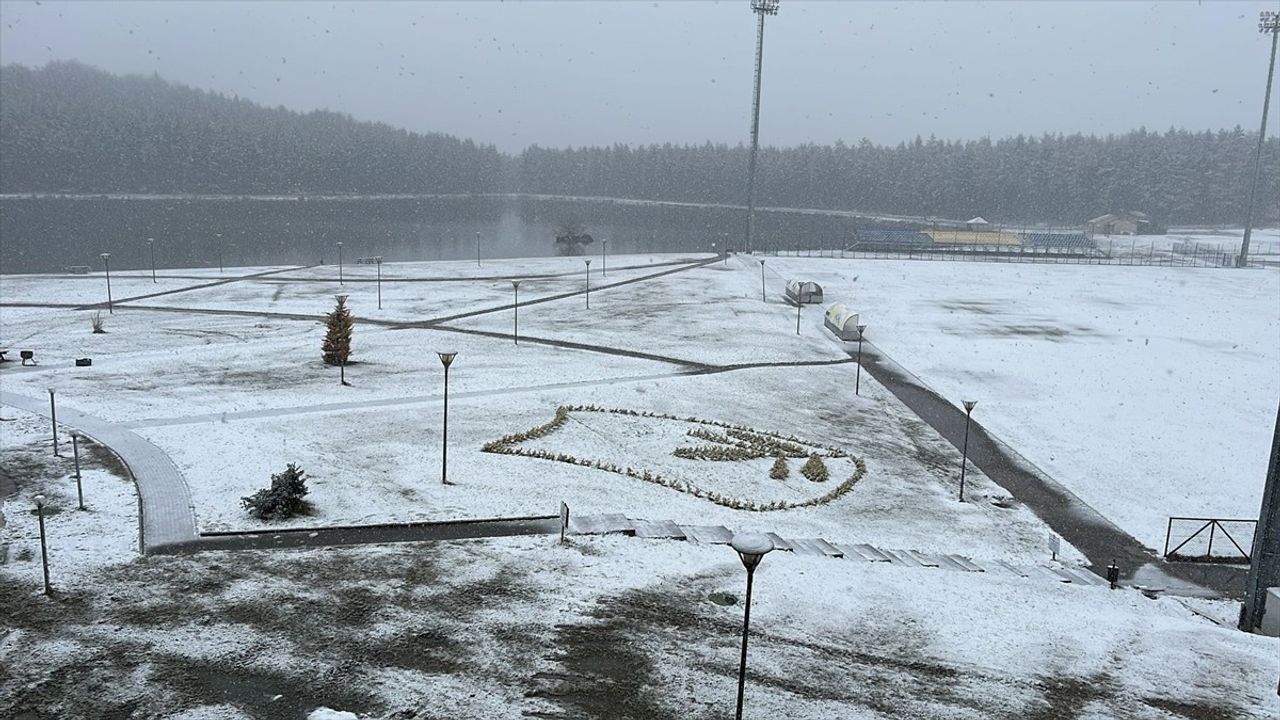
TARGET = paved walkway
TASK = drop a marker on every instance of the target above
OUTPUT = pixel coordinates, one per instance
(1077, 522)
(820, 547)
(164, 499)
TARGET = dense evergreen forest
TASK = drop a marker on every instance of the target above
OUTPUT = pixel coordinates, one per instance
(71, 128)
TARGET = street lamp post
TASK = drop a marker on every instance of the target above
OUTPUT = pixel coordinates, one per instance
(44, 545)
(964, 453)
(515, 327)
(751, 547)
(604, 254)
(106, 263)
(446, 359)
(857, 384)
(53, 418)
(339, 262)
(75, 450)
(762, 295)
(151, 245)
(588, 262)
(761, 8)
(477, 248)
(798, 306)
(219, 236)
(378, 261)
(1268, 22)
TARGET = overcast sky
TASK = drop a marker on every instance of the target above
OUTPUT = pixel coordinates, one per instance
(583, 73)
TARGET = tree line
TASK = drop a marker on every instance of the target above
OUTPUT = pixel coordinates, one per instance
(70, 128)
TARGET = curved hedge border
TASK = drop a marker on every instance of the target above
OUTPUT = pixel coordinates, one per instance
(507, 445)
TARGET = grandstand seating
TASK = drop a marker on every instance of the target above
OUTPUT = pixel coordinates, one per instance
(890, 239)
(1057, 241)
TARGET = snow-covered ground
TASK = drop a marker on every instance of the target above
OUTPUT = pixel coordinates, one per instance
(1150, 392)
(1129, 385)
(619, 628)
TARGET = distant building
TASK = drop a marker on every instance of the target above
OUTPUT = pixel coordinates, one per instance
(1121, 222)
(978, 224)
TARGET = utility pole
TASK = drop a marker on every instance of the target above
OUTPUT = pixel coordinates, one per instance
(1264, 566)
(760, 8)
(1268, 22)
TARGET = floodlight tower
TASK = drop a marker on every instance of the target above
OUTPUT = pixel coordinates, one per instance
(760, 8)
(1268, 22)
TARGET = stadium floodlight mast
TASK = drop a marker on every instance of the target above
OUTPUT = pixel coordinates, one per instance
(1268, 22)
(760, 8)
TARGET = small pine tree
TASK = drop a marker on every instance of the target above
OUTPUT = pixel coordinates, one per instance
(779, 471)
(337, 341)
(815, 469)
(283, 499)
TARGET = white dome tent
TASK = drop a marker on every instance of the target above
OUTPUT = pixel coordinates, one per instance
(804, 293)
(842, 321)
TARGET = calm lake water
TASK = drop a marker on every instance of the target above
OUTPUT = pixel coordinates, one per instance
(49, 234)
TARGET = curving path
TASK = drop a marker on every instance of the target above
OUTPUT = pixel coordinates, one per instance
(164, 501)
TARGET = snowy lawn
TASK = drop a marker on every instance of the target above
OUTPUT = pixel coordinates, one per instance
(79, 541)
(711, 315)
(1149, 392)
(383, 464)
(413, 292)
(617, 628)
(163, 365)
(92, 288)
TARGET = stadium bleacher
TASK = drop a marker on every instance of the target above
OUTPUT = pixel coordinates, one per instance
(1057, 241)
(890, 239)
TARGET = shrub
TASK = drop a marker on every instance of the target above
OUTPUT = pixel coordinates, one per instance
(779, 471)
(814, 469)
(283, 499)
(98, 323)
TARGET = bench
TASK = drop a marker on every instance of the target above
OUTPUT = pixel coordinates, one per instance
(27, 355)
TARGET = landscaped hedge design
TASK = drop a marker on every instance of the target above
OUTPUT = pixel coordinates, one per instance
(740, 443)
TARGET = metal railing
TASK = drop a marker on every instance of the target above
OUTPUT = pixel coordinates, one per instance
(1202, 551)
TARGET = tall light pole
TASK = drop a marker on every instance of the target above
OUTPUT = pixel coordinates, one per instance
(446, 359)
(1264, 568)
(762, 295)
(798, 306)
(477, 248)
(760, 8)
(588, 284)
(339, 262)
(378, 261)
(1268, 22)
(53, 417)
(751, 547)
(964, 453)
(604, 254)
(106, 263)
(219, 236)
(75, 451)
(151, 245)
(857, 384)
(515, 328)
(44, 549)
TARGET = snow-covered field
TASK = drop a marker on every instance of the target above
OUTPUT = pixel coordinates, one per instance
(1150, 392)
(1129, 385)
(615, 628)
